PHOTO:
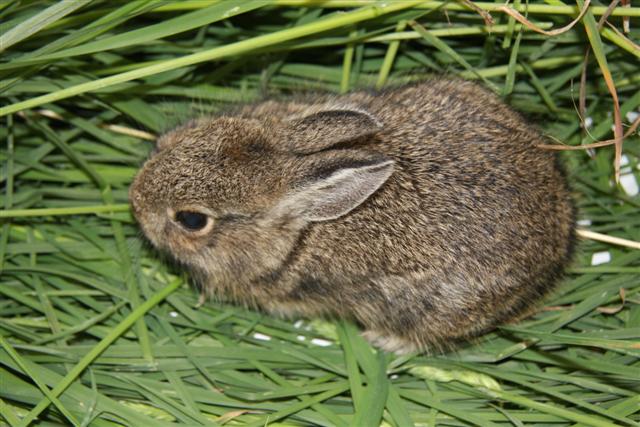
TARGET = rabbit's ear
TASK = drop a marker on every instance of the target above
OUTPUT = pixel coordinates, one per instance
(335, 189)
(323, 129)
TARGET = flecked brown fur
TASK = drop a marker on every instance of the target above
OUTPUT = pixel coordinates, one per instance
(424, 212)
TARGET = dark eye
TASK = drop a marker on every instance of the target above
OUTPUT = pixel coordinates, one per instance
(192, 221)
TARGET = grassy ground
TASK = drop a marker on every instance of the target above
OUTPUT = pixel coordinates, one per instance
(96, 330)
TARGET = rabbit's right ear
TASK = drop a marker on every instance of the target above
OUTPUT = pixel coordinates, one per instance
(323, 129)
(334, 187)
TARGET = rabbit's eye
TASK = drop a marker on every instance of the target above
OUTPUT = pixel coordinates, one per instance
(192, 221)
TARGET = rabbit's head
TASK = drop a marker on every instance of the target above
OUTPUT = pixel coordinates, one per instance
(229, 196)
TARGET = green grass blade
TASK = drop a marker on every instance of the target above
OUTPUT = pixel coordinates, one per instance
(43, 388)
(374, 395)
(331, 22)
(443, 47)
(188, 21)
(101, 346)
(37, 22)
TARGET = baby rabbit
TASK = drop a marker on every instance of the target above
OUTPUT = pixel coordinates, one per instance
(425, 212)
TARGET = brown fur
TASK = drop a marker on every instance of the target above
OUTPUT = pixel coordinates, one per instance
(424, 212)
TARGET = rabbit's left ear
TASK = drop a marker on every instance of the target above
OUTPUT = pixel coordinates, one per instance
(323, 129)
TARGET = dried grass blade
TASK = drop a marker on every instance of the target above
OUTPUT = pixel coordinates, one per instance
(592, 235)
(524, 21)
(598, 51)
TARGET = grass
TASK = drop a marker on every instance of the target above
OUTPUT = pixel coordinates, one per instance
(96, 330)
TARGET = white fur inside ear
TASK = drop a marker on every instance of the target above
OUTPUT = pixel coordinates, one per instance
(339, 193)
